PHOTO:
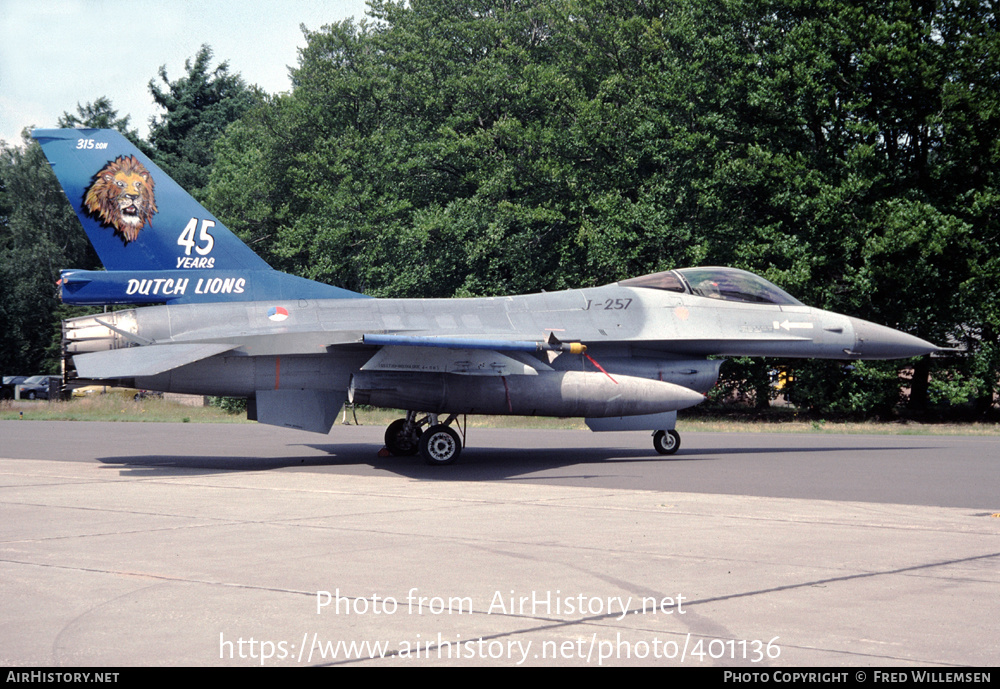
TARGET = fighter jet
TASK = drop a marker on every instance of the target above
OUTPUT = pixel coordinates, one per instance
(624, 356)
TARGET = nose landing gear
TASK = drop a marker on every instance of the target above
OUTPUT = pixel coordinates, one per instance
(666, 442)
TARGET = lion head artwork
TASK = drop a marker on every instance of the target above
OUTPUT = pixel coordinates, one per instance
(121, 196)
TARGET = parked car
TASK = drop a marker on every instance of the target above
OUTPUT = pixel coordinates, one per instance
(9, 383)
(36, 387)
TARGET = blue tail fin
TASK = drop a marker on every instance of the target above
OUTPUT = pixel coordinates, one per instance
(157, 243)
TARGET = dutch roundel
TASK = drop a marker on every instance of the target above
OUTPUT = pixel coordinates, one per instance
(277, 313)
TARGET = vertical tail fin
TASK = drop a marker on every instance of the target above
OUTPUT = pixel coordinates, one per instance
(156, 241)
(136, 217)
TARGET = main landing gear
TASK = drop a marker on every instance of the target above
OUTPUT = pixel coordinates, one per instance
(439, 445)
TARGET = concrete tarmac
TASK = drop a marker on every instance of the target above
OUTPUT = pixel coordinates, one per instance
(181, 544)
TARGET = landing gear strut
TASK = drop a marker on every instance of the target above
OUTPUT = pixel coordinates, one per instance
(666, 442)
(439, 445)
(402, 437)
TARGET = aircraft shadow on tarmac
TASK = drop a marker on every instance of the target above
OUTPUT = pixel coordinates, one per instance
(476, 464)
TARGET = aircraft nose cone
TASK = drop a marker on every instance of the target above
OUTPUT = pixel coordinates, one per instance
(873, 341)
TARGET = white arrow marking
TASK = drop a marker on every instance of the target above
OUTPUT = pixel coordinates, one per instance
(792, 326)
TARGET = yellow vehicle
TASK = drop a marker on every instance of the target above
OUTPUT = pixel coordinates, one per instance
(124, 393)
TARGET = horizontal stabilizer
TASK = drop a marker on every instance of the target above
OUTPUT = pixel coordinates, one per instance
(134, 362)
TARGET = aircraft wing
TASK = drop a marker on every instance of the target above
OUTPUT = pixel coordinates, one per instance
(150, 360)
(469, 356)
(511, 345)
(461, 361)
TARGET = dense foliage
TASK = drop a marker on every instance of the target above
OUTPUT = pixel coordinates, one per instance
(848, 151)
(197, 109)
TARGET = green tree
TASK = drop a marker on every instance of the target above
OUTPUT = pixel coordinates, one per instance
(39, 236)
(845, 150)
(99, 114)
(198, 107)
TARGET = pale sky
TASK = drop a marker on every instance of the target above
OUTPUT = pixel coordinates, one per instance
(57, 53)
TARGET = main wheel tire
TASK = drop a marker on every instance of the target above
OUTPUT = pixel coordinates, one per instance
(398, 442)
(440, 445)
(667, 442)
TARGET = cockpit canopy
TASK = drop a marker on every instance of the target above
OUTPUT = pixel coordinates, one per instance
(728, 284)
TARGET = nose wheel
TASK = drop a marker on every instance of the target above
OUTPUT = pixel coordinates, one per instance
(666, 442)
